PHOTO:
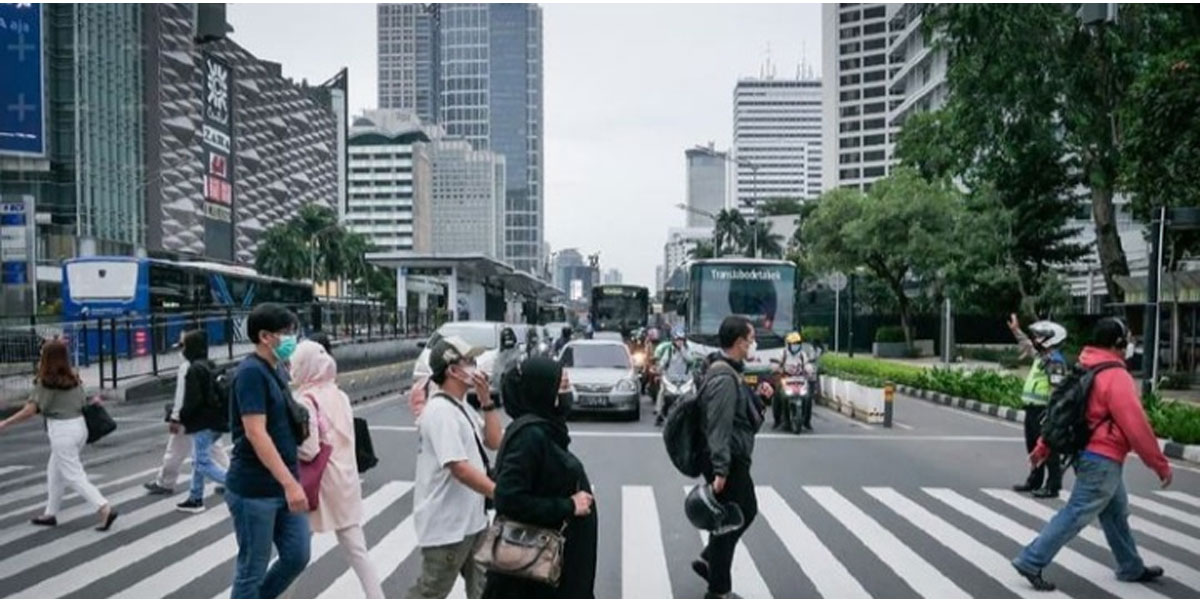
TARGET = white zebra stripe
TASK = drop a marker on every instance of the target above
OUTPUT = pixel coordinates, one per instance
(828, 574)
(1181, 497)
(386, 556)
(643, 560)
(744, 573)
(41, 491)
(13, 469)
(1169, 512)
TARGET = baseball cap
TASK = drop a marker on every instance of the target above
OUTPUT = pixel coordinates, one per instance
(448, 351)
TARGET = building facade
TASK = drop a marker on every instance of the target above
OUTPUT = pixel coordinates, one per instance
(777, 139)
(484, 84)
(390, 196)
(612, 276)
(680, 242)
(707, 184)
(563, 260)
(467, 197)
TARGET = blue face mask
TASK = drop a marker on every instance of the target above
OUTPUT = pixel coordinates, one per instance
(286, 347)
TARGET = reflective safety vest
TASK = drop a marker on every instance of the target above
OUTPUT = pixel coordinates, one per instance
(1043, 376)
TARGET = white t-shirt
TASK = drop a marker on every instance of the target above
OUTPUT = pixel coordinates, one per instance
(445, 511)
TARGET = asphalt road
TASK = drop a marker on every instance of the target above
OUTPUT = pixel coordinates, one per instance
(850, 511)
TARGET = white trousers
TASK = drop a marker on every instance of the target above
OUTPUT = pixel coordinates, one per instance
(354, 545)
(67, 437)
(179, 448)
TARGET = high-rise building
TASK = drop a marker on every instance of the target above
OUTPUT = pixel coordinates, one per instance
(919, 84)
(612, 276)
(467, 197)
(485, 85)
(659, 277)
(707, 184)
(565, 259)
(777, 139)
(680, 242)
(390, 196)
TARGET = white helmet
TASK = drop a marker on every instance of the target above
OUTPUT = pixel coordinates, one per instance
(1048, 334)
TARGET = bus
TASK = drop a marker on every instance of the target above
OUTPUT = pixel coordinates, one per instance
(554, 312)
(181, 295)
(622, 308)
(761, 290)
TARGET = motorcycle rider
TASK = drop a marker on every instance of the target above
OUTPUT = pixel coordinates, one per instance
(509, 354)
(794, 354)
(532, 343)
(561, 342)
(675, 363)
(1049, 368)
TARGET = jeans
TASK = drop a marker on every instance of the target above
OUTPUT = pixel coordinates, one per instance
(258, 523)
(179, 446)
(1099, 491)
(1033, 430)
(739, 489)
(205, 466)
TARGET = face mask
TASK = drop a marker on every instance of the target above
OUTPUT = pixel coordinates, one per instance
(794, 348)
(752, 349)
(286, 347)
(468, 374)
(1129, 350)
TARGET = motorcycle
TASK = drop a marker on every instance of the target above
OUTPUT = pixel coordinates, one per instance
(798, 383)
(674, 389)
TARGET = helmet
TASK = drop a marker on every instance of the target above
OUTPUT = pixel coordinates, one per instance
(508, 338)
(678, 334)
(793, 338)
(1048, 334)
(566, 332)
(706, 512)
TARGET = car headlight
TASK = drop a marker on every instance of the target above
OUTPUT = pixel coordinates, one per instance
(625, 386)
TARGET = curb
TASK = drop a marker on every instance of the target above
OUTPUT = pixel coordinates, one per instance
(1185, 452)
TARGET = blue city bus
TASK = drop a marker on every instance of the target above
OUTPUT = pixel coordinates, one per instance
(180, 295)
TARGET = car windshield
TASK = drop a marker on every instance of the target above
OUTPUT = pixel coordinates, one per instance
(596, 356)
(478, 335)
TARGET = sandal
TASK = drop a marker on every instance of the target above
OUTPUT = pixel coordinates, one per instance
(108, 521)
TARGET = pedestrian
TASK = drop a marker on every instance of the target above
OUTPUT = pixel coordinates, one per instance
(1049, 368)
(331, 421)
(59, 396)
(452, 478)
(732, 417)
(263, 492)
(204, 417)
(564, 338)
(179, 443)
(540, 482)
(1118, 426)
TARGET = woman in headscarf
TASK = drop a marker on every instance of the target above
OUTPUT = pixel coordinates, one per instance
(539, 482)
(331, 420)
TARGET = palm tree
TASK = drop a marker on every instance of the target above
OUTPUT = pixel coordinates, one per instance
(770, 244)
(728, 230)
(282, 252)
(702, 249)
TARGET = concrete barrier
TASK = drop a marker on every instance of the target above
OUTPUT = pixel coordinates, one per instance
(854, 400)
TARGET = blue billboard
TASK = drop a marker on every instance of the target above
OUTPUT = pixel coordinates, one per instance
(22, 93)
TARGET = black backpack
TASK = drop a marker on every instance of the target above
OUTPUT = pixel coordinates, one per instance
(222, 392)
(1064, 424)
(684, 433)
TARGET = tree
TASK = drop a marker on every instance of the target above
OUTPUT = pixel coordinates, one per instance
(282, 253)
(770, 244)
(728, 229)
(702, 249)
(900, 231)
(773, 207)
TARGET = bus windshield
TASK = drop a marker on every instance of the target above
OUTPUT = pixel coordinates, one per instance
(763, 293)
(619, 308)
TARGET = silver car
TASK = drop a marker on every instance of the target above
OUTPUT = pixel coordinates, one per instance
(602, 378)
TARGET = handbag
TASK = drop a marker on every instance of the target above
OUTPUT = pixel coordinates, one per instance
(312, 471)
(364, 450)
(525, 551)
(518, 549)
(99, 422)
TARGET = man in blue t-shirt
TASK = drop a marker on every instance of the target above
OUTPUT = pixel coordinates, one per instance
(262, 485)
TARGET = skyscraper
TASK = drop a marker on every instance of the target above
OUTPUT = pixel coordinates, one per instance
(707, 184)
(485, 83)
(777, 139)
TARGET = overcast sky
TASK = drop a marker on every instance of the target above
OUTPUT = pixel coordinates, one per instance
(628, 89)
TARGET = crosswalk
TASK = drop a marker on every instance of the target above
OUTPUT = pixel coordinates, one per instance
(830, 541)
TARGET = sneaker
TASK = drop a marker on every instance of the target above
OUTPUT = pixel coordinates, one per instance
(725, 595)
(1035, 579)
(157, 490)
(191, 505)
(1045, 493)
(1023, 488)
(1149, 574)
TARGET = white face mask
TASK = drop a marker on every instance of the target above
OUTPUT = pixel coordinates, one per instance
(468, 374)
(1129, 350)
(752, 350)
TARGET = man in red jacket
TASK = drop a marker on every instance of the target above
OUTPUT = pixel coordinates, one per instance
(1119, 426)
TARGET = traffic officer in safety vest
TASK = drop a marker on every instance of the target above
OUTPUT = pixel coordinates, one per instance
(1049, 367)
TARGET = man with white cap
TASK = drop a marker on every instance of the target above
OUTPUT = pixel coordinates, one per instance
(1049, 368)
(452, 479)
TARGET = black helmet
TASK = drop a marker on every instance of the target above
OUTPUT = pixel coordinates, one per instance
(566, 332)
(706, 512)
(508, 338)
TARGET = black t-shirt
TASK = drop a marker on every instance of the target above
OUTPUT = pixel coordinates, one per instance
(256, 391)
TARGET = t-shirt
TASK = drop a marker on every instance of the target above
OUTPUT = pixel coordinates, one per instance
(445, 511)
(59, 404)
(257, 392)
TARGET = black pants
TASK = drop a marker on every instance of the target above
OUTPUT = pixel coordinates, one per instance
(739, 489)
(779, 410)
(806, 412)
(1053, 465)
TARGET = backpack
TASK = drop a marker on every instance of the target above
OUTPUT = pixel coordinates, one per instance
(222, 392)
(1064, 424)
(684, 434)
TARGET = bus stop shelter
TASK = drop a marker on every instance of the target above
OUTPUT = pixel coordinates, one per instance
(464, 286)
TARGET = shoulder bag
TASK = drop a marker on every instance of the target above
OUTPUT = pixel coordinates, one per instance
(518, 549)
(312, 471)
(99, 422)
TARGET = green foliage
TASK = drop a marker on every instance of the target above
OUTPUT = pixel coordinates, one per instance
(1176, 421)
(1174, 380)
(889, 334)
(780, 206)
(728, 231)
(815, 333)
(702, 249)
(1009, 358)
(770, 245)
(983, 385)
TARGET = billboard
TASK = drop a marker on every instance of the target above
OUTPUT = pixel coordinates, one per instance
(216, 148)
(22, 96)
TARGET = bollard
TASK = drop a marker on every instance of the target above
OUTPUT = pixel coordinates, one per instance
(889, 397)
